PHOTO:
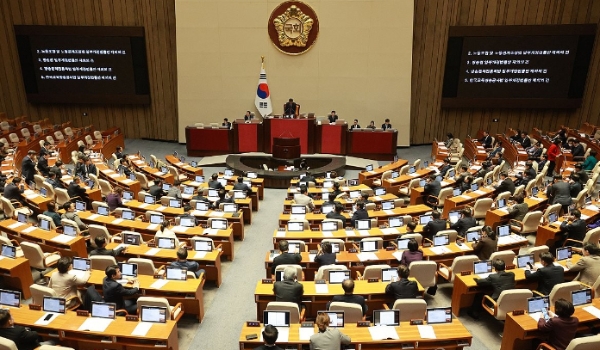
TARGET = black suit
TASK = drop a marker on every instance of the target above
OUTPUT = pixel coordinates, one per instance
(12, 192)
(334, 215)
(24, 339)
(285, 259)
(332, 118)
(325, 259)
(28, 169)
(526, 142)
(559, 193)
(242, 187)
(75, 190)
(506, 185)
(290, 108)
(80, 169)
(386, 126)
(583, 176)
(500, 281)
(91, 169)
(352, 298)
(156, 191)
(403, 289)
(433, 188)
(290, 291)
(265, 347)
(463, 224)
(444, 169)
(119, 155)
(43, 167)
(575, 188)
(578, 151)
(114, 292)
(486, 141)
(548, 277)
(575, 230)
(434, 226)
(360, 214)
(215, 184)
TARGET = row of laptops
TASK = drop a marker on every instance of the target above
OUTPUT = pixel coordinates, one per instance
(484, 267)
(380, 317)
(339, 276)
(55, 305)
(578, 298)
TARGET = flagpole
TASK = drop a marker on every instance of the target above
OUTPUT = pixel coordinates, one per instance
(262, 64)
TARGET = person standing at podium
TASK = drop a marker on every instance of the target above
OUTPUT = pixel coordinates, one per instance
(332, 117)
(290, 109)
(248, 116)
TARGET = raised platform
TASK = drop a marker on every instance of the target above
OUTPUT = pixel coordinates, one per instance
(276, 178)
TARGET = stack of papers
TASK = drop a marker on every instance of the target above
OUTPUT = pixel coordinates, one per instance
(593, 310)
(363, 232)
(304, 333)
(440, 250)
(93, 216)
(152, 227)
(464, 247)
(62, 239)
(398, 255)
(465, 196)
(43, 322)
(321, 288)
(389, 231)
(199, 213)
(142, 329)
(480, 192)
(383, 332)
(95, 324)
(29, 229)
(327, 234)
(15, 225)
(350, 233)
(216, 213)
(280, 234)
(389, 212)
(161, 208)
(117, 221)
(159, 284)
(200, 255)
(152, 251)
(366, 256)
(426, 332)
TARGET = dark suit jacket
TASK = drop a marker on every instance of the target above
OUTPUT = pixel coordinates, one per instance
(463, 224)
(561, 330)
(360, 214)
(434, 226)
(285, 259)
(444, 169)
(27, 168)
(24, 339)
(486, 141)
(506, 185)
(12, 192)
(90, 169)
(43, 167)
(485, 247)
(526, 142)
(215, 184)
(500, 281)
(352, 298)
(518, 211)
(114, 292)
(583, 176)
(575, 188)
(75, 190)
(265, 347)
(547, 276)
(433, 188)
(242, 187)
(156, 191)
(289, 291)
(332, 118)
(325, 259)
(403, 289)
(80, 169)
(334, 215)
(578, 151)
(386, 126)
(559, 193)
(290, 108)
(575, 230)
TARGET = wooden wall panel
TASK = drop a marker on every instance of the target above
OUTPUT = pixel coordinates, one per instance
(432, 20)
(155, 121)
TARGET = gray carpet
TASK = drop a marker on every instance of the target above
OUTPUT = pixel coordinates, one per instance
(228, 307)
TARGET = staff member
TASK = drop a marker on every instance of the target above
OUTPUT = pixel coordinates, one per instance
(290, 108)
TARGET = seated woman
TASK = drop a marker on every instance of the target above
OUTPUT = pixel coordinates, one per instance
(487, 244)
(562, 328)
(412, 254)
(371, 125)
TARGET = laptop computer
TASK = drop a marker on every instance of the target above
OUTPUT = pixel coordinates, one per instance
(424, 219)
(396, 222)
(534, 191)
(199, 179)
(503, 230)
(552, 218)
(276, 318)
(474, 187)
(338, 276)
(203, 246)
(402, 243)
(44, 192)
(128, 269)
(148, 199)
(188, 190)
(329, 226)
(222, 181)
(456, 192)
(336, 318)
(386, 318)
(252, 175)
(388, 275)
(355, 194)
(294, 248)
(213, 193)
(451, 173)
(164, 169)
(69, 230)
(153, 314)
(9, 251)
(473, 235)
(387, 205)
(363, 224)
(439, 315)
(79, 206)
(80, 266)
(127, 215)
(193, 164)
(581, 297)
(411, 170)
(537, 304)
(10, 298)
(127, 196)
(53, 305)
(368, 246)
(441, 240)
(239, 194)
(328, 184)
(501, 203)
(230, 208)
(175, 203)
(327, 208)
(132, 177)
(523, 260)
(379, 191)
(102, 210)
(335, 247)
(202, 206)
(130, 238)
(45, 224)
(218, 224)
(156, 218)
(353, 182)
(395, 174)
(453, 216)
(187, 221)
(176, 273)
(369, 167)
(166, 186)
(563, 253)
(482, 268)
(103, 310)
(165, 243)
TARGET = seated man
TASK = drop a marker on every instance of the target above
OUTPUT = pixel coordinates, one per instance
(241, 186)
(519, 210)
(75, 190)
(433, 187)
(303, 198)
(156, 190)
(331, 200)
(182, 261)
(53, 181)
(285, 258)
(403, 288)
(337, 214)
(548, 275)
(223, 198)
(499, 281)
(505, 184)
(325, 255)
(101, 248)
(214, 183)
(23, 337)
(70, 214)
(65, 284)
(349, 297)
(465, 222)
(175, 190)
(14, 191)
(574, 228)
(289, 289)
(588, 266)
(270, 334)
(434, 226)
(360, 213)
(114, 292)
(52, 214)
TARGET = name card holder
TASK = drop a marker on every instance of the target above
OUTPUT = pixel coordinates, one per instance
(373, 280)
(252, 323)
(518, 312)
(320, 282)
(416, 322)
(133, 318)
(267, 281)
(465, 273)
(307, 324)
(363, 324)
(390, 248)
(84, 313)
(35, 307)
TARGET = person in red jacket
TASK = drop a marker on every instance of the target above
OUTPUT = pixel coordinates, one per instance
(552, 153)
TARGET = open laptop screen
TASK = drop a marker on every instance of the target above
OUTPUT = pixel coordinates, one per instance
(387, 205)
(388, 275)
(156, 218)
(503, 230)
(187, 221)
(336, 318)
(581, 297)
(229, 207)
(10, 298)
(52, 304)
(441, 240)
(522, 260)
(202, 206)
(295, 226)
(165, 243)
(368, 246)
(386, 317)
(473, 235)
(128, 269)
(276, 318)
(9, 251)
(481, 267)
(102, 210)
(148, 199)
(202, 246)
(329, 226)
(327, 208)
(81, 264)
(69, 230)
(175, 203)
(176, 273)
(396, 222)
(439, 315)
(103, 310)
(563, 253)
(338, 276)
(363, 224)
(424, 219)
(154, 314)
(218, 224)
(453, 216)
(379, 191)
(536, 304)
(298, 209)
(369, 167)
(45, 224)
(127, 195)
(128, 215)
(501, 203)
(79, 206)
(402, 243)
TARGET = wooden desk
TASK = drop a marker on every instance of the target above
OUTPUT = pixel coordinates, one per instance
(45, 239)
(347, 203)
(188, 293)
(474, 150)
(394, 185)
(439, 151)
(94, 194)
(512, 153)
(65, 147)
(496, 217)
(465, 199)
(141, 166)
(109, 143)
(250, 203)
(118, 335)
(208, 141)
(183, 167)
(520, 330)
(148, 230)
(116, 179)
(449, 336)
(374, 294)
(465, 287)
(546, 234)
(324, 192)
(211, 262)
(372, 144)
(367, 177)
(16, 274)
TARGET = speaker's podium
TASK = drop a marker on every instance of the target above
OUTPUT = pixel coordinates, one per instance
(286, 147)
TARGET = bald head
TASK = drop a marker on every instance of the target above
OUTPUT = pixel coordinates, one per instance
(348, 286)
